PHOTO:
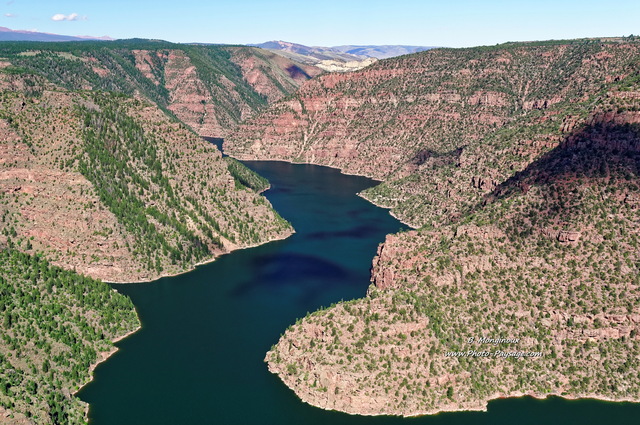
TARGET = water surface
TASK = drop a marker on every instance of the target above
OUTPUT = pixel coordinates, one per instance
(198, 358)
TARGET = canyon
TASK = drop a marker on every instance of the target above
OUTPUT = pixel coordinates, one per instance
(517, 165)
(103, 175)
(59, 178)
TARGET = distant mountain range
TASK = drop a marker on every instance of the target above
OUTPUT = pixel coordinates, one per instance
(338, 58)
(346, 52)
(317, 52)
(381, 52)
(7, 34)
(332, 59)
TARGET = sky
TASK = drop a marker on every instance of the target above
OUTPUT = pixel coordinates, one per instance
(451, 23)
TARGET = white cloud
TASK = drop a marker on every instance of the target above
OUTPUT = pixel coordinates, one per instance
(71, 17)
(10, 15)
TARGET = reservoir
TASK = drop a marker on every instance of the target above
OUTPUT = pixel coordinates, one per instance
(198, 358)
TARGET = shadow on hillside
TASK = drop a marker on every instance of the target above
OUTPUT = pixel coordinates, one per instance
(600, 153)
(296, 72)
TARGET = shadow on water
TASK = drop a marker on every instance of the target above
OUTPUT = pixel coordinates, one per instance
(198, 358)
(217, 141)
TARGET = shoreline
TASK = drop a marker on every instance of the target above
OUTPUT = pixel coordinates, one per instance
(389, 209)
(310, 163)
(474, 406)
(200, 263)
(105, 355)
(480, 406)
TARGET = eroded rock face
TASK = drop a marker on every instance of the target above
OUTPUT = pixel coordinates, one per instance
(189, 98)
(213, 106)
(261, 68)
(568, 236)
(209, 88)
(53, 207)
(483, 183)
(150, 64)
(530, 235)
(485, 104)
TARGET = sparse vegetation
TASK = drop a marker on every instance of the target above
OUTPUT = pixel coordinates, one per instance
(522, 181)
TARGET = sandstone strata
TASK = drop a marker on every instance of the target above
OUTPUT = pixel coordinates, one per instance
(56, 210)
(528, 229)
(456, 122)
(209, 88)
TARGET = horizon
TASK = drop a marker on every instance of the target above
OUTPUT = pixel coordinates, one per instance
(463, 23)
(107, 38)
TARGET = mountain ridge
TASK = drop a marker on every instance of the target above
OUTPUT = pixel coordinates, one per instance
(340, 58)
(382, 51)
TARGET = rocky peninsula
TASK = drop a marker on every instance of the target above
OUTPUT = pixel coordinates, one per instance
(519, 167)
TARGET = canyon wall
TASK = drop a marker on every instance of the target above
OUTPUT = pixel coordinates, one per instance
(519, 165)
(113, 186)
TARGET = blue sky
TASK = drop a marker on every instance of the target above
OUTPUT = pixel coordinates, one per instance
(454, 23)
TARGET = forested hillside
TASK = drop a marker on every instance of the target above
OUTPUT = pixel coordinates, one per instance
(209, 88)
(109, 185)
(55, 325)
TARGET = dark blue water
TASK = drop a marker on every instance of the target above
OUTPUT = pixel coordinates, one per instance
(198, 358)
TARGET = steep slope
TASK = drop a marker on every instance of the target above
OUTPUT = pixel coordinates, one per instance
(520, 165)
(535, 292)
(109, 186)
(455, 122)
(209, 88)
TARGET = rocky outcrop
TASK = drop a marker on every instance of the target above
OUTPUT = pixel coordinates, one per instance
(523, 279)
(483, 183)
(568, 236)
